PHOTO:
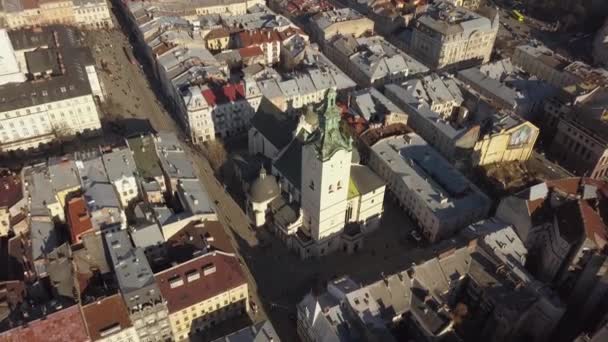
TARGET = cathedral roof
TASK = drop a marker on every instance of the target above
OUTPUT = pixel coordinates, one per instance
(329, 138)
(289, 164)
(274, 125)
(264, 188)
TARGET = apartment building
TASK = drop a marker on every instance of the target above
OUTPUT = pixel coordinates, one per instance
(221, 111)
(577, 133)
(83, 13)
(345, 21)
(506, 86)
(460, 125)
(108, 320)
(267, 40)
(372, 61)
(58, 100)
(447, 36)
(205, 286)
(121, 170)
(145, 304)
(428, 188)
(556, 69)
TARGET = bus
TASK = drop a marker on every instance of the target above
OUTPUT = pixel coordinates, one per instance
(517, 15)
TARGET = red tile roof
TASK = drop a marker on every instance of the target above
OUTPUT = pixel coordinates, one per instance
(228, 93)
(105, 314)
(10, 190)
(79, 219)
(258, 37)
(250, 51)
(227, 275)
(578, 216)
(66, 325)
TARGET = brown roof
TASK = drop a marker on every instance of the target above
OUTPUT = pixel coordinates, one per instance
(250, 51)
(258, 37)
(10, 190)
(223, 273)
(218, 33)
(65, 325)
(105, 314)
(79, 219)
(595, 229)
(30, 4)
(208, 235)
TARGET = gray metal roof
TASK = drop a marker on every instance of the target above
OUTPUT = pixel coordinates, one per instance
(173, 158)
(45, 238)
(325, 19)
(194, 197)
(258, 332)
(365, 179)
(119, 163)
(63, 173)
(147, 236)
(423, 170)
(370, 103)
(131, 268)
(273, 124)
(413, 106)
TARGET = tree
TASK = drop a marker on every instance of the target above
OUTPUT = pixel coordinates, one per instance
(216, 154)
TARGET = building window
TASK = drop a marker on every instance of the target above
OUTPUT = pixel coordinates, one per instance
(312, 185)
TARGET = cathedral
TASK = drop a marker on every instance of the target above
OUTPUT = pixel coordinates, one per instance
(315, 196)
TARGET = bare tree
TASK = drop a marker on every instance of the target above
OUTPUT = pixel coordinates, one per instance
(62, 132)
(216, 153)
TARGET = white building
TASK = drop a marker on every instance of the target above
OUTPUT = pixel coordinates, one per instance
(221, 112)
(121, 170)
(318, 199)
(9, 68)
(450, 36)
(433, 192)
(60, 102)
(92, 13)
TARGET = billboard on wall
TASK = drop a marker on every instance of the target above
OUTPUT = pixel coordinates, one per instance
(522, 136)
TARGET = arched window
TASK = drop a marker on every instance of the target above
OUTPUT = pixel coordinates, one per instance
(331, 189)
(339, 185)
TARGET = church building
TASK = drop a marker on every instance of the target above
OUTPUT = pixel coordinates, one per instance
(316, 197)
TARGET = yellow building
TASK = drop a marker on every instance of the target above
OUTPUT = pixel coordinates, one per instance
(57, 11)
(510, 139)
(90, 13)
(217, 39)
(207, 289)
(234, 7)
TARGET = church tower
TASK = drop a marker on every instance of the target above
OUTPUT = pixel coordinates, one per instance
(326, 162)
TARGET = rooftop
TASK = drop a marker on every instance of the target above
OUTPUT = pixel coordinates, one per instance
(199, 279)
(11, 190)
(194, 197)
(106, 316)
(446, 19)
(119, 163)
(328, 18)
(79, 220)
(144, 153)
(445, 190)
(63, 325)
(258, 332)
(131, 268)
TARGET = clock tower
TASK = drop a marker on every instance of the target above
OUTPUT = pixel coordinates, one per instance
(326, 162)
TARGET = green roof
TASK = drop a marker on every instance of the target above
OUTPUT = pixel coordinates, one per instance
(352, 189)
(144, 153)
